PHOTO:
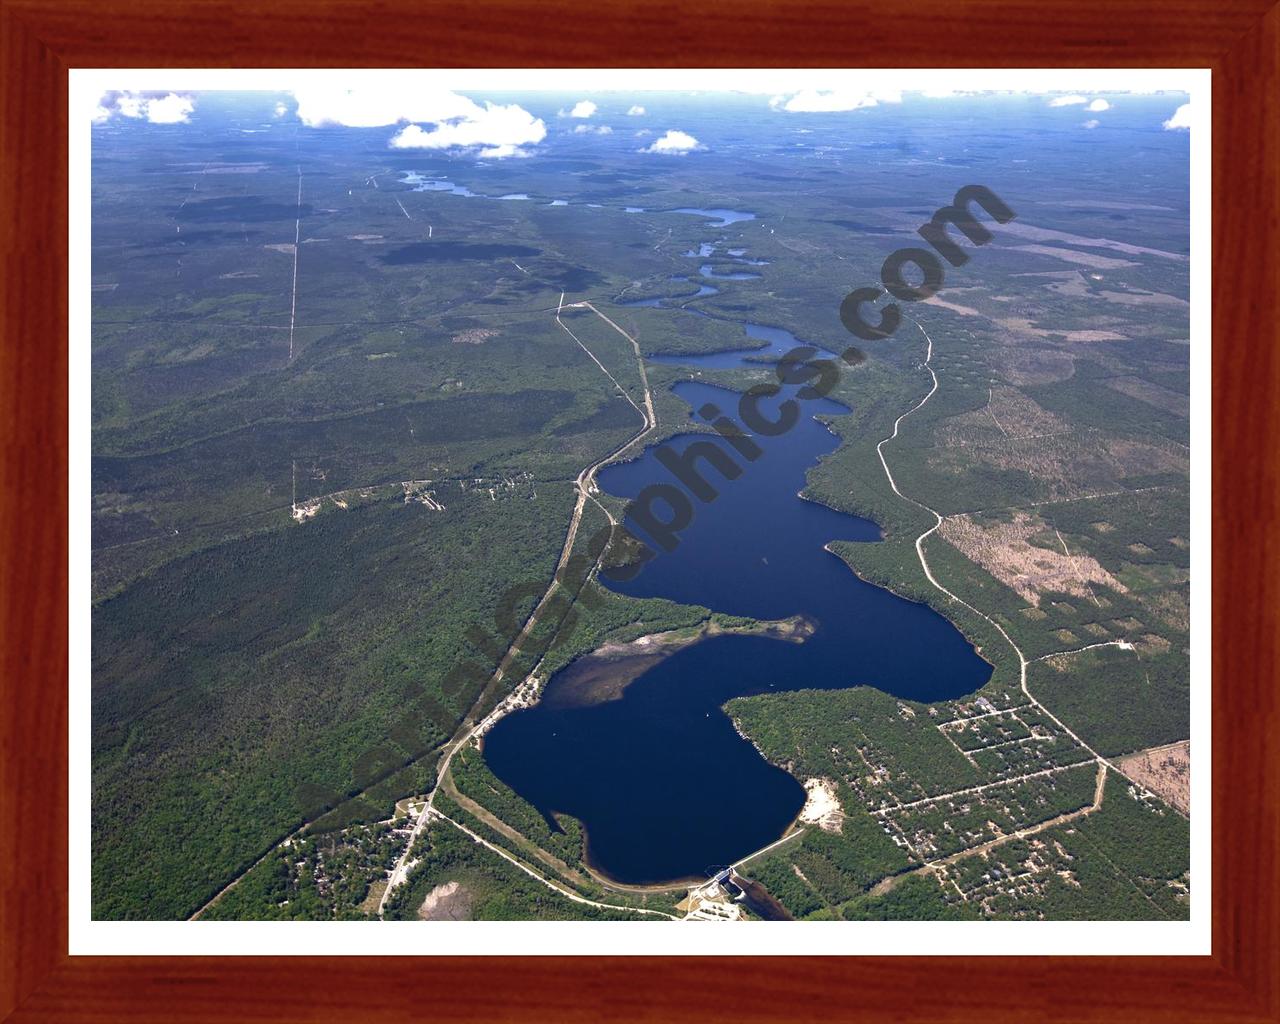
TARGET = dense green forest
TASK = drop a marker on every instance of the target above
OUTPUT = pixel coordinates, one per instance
(336, 428)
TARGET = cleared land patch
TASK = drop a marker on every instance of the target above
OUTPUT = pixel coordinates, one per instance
(1166, 771)
(1008, 414)
(448, 901)
(1004, 548)
(1153, 394)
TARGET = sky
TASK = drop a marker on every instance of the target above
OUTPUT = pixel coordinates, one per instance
(434, 110)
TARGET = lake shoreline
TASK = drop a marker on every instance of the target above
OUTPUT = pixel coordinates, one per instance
(604, 674)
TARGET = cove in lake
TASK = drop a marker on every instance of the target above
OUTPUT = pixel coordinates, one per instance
(664, 785)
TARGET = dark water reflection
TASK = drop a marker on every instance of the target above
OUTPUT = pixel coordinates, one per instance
(665, 786)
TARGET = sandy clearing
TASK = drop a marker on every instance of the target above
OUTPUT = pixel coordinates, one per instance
(1023, 326)
(1022, 229)
(446, 902)
(955, 307)
(1137, 298)
(1004, 549)
(1093, 335)
(1009, 414)
(822, 805)
(1166, 771)
(1085, 259)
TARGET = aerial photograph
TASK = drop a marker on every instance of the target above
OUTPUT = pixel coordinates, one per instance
(770, 503)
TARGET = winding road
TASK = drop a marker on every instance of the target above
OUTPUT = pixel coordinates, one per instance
(585, 486)
(924, 563)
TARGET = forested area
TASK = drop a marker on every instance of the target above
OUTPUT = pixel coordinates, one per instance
(493, 888)
(561, 836)
(334, 447)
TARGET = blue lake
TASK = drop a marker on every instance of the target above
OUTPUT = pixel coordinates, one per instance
(664, 785)
(709, 271)
(674, 303)
(780, 342)
(721, 218)
(423, 184)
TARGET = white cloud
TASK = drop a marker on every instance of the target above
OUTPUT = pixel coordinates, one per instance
(812, 101)
(281, 110)
(946, 94)
(389, 101)
(1068, 101)
(1093, 122)
(498, 130)
(583, 108)
(455, 121)
(1098, 105)
(586, 129)
(502, 152)
(171, 109)
(156, 107)
(131, 105)
(1181, 119)
(674, 142)
(413, 136)
(636, 111)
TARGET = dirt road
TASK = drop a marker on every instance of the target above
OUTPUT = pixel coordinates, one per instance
(585, 485)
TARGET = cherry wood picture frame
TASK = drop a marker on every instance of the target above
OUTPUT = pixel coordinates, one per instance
(41, 39)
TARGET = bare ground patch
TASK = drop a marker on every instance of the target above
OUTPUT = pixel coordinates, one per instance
(474, 336)
(1093, 335)
(822, 805)
(449, 901)
(955, 307)
(1020, 364)
(1140, 298)
(1004, 549)
(1085, 259)
(1025, 230)
(1009, 414)
(1166, 771)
